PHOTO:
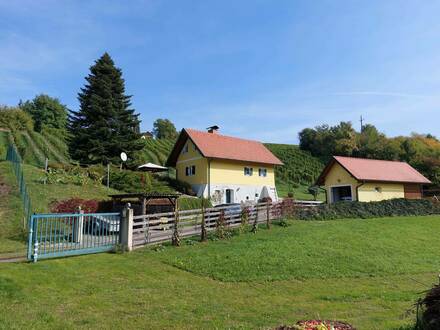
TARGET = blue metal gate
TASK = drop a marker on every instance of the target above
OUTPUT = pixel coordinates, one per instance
(67, 234)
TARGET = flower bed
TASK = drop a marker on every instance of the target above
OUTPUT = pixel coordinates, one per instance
(317, 325)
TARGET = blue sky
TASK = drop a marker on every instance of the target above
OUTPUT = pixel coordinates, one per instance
(259, 69)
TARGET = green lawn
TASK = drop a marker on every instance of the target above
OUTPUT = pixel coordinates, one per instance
(42, 195)
(300, 192)
(315, 249)
(12, 236)
(367, 272)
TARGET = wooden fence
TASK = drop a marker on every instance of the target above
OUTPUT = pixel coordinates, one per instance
(171, 226)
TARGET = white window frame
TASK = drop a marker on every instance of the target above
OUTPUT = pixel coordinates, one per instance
(248, 171)
(262, 172)
(190, 170)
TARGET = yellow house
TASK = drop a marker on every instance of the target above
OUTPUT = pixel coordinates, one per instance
(224, 168)
(366, 180)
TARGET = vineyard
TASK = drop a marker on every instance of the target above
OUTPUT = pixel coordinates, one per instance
(155, 151)
(300, 167)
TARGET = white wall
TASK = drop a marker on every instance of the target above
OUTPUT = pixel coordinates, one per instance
(241, 193)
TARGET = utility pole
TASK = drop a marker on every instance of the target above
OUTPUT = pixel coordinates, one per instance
(362, 123)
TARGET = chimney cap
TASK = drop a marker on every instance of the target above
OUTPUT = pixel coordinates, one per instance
(213, 128)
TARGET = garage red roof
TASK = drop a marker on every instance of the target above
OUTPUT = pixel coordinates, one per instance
(213, 145)
(364, 169)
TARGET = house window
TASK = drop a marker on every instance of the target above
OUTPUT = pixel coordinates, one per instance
(248, 171)
(185, 149)
(262, 172)
(190, 170)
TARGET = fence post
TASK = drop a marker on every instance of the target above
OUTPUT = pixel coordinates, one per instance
(203, 233)
(255, 224)
(268, 215)
(78, 227)
(126, 228)
(176, 237)
(30, 237)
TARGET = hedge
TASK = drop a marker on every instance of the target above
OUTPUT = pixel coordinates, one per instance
(365, 210)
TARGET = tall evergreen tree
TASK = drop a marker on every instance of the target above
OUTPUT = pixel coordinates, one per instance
(105, 125)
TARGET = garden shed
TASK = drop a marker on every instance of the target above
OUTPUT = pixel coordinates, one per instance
(366, 180)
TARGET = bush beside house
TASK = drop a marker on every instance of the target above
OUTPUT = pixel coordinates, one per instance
(365, 210)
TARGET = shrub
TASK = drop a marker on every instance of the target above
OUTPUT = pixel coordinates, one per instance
(71, 205)
(428, 311)
(180, 186)
(364, 210)
(192, 203)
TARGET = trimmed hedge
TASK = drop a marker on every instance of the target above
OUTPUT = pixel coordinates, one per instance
(365, 210)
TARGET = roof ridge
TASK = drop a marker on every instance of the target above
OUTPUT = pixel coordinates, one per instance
(222, 135)
(370, 159)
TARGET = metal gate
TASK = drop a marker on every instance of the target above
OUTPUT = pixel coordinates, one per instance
(67, 234)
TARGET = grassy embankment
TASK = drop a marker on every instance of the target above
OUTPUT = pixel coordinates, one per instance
(299, 172)
(367, 272)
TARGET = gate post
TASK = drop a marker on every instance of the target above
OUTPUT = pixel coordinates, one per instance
(78, 226)
(30, 237)
(126, 228)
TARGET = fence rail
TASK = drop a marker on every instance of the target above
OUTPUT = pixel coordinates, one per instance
(58, 235)
(161, 227)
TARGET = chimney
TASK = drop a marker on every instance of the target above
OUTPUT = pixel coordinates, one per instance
(213, 129)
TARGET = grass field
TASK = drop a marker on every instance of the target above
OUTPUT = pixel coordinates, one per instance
(367, 272)
(300, 193)
(12, 237)
(42, 195)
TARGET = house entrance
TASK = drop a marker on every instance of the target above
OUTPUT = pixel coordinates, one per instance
(342, 193)
(229, 196)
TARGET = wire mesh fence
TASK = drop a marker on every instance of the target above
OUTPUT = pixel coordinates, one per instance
(13, 156)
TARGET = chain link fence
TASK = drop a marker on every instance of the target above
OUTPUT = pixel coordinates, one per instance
(13, 156)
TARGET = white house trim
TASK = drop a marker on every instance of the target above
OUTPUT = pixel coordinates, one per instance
(330, 191)
(189, 160)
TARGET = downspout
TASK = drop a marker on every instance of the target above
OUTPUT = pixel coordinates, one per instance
(357, 190)
(209, 179)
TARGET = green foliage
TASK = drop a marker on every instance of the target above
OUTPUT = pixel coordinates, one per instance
(46, 111)
(135, 182)
(15, 119)
(76, 175)
(153, 151)
(363, 210)
(314, 191)
(192, 203)
(164, 129)
(300, 167)
(105, 125)
(420, 151)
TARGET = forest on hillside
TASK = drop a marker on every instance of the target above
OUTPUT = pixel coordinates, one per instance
(422, 151)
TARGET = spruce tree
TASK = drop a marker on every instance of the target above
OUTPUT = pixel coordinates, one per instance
(105, 125)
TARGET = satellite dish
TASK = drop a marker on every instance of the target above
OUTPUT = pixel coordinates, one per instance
(124, 156)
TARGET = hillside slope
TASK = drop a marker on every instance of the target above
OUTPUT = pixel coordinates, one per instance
(155, 151)
(300, 170)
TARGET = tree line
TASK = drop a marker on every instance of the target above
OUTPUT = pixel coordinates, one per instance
(419, 150)
(104, 125)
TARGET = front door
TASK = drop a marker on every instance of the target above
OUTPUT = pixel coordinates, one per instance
(229, 194)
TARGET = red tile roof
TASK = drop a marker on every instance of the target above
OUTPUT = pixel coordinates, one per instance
(376, 170)
(213, 145)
